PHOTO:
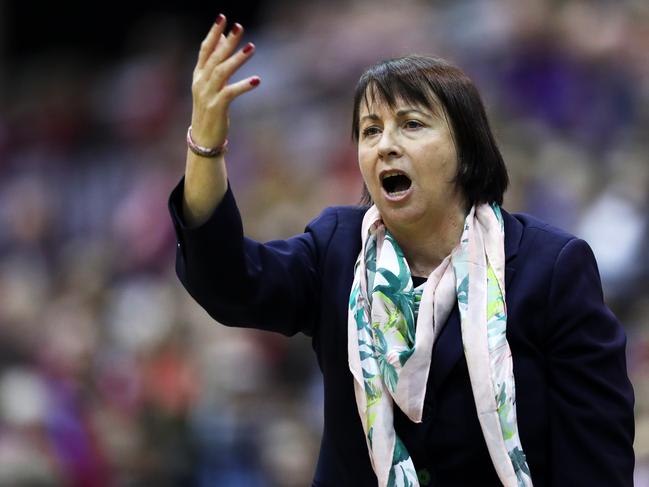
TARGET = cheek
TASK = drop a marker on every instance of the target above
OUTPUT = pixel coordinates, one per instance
(442, 158)
(364, 164)
(449, 150)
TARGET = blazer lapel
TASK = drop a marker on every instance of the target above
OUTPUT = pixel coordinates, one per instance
(448, 349)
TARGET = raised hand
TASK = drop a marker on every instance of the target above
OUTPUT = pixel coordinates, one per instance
(206, 178)
(217, 62)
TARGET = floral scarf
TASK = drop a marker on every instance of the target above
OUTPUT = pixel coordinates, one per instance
(392, 327)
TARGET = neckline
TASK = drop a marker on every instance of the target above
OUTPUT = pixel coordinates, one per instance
(418, 281)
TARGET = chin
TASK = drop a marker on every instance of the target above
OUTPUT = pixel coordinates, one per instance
(400, 214)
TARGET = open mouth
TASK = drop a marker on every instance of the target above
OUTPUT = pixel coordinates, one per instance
(395, 183)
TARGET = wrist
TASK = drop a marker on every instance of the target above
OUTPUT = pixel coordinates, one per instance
(205, 151)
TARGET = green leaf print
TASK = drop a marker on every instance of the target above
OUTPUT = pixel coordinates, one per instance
(502, 396)
(370, 256)
(372, 392)
(367, 375)
(504, 409)
(405, 355)
(393, 315)
(495, 303)
(389, 374)
(397, 322)
(358, 316)
(402, 303)
(392, 481)
(380, 344)
(406, 305)
(406, 480)
(400, 453)
(499, 215)
(393, 281)
(494, 308)
(353, 297)
(518, 460)
(463, 291)
(371, 417)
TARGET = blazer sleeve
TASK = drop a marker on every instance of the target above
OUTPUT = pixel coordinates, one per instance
(271, 286)
(591, 398)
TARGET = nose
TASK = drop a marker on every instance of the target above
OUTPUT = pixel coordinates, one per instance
(388, 146)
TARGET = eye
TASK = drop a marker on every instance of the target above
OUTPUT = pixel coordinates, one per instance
(413, 124)
(369, 131)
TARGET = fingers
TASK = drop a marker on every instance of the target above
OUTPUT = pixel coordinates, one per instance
(214, 36)
(226, 69)
(217, 62)
(230, 92)
(225, 47)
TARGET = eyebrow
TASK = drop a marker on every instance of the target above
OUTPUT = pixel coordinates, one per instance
(400, 113)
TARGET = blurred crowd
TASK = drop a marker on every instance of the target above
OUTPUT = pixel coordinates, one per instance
(110, 375)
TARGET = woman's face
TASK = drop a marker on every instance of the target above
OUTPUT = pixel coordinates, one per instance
(408, 161)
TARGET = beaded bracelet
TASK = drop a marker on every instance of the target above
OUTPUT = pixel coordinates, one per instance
(199, 150)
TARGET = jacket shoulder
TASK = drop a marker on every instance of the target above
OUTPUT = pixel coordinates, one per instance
(334, 216)
(346, 212)
(533, 223)
(524, 231)
(337, 233)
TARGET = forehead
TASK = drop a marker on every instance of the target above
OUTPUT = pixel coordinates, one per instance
(375, 100)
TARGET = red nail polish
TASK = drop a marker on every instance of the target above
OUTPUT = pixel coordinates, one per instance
(254, 81)
(219, 19)
(236, 28)
(248, 48)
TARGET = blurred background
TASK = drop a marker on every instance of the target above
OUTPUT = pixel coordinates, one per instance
(110, 375)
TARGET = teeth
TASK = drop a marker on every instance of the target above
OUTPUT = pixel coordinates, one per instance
(392, 173)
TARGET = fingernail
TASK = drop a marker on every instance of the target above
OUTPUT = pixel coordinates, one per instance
(248, 48)
(236, 28)
(219, 19)
(255, 81)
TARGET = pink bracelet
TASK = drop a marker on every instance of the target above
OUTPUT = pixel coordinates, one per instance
(199, 150)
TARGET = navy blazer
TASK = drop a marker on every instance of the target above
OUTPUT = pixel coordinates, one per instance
(574, 398)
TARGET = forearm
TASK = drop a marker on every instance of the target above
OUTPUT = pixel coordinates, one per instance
(205, 185)
(240, 282)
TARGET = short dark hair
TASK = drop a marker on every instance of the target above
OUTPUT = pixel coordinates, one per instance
(481, 173)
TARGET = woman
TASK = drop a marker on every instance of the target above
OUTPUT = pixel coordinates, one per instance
(459, 344)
